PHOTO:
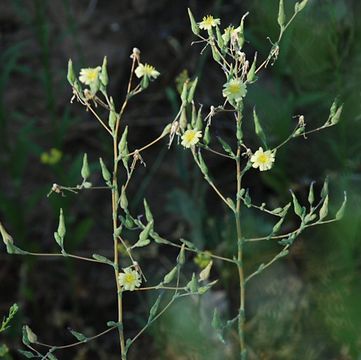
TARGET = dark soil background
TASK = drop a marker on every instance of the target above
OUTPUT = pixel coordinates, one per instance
(307, 306)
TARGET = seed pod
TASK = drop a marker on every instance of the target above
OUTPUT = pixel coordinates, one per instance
(148, 213)
(61, 227)
(183, 119)
(281, 15)
(170, 276)
(85, 172)
(324, 208)
(184, 92)
(192, 90)
(207, 136)
(341, 210)
(71, 75)
(104, 72)
(123, 199)
(251, 75)
(123, 145)
(105, 172)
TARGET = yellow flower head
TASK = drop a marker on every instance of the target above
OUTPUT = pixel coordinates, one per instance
(263, 159)
(234, 89)
(129, 279)
(190, 138)
(146, 70)
(208, 22)
(89, 75)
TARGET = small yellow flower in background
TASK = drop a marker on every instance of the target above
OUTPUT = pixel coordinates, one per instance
(52, 157)
(234, 89)
(190, 138)
(129, 279)
(89, 75)
(146, 70)
(263, 159)
(208, 22)
(202, 259)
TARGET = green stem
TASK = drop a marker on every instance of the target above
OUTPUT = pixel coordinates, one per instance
(241, 317)
(115, 197)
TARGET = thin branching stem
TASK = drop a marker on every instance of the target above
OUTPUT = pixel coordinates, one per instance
(55, 347)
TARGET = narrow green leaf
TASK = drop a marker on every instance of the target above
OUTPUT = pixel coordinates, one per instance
(148, 212)
(203, 289)
(311, 196)
(145, 232)
(144, 236)
(251, 75)
(192, 285)
(192, 90)
(220, 41)
(169, 277)
(215, 53)
(241, 32)
(218, 325)
(296, 205)
(102, 259)
(199, 122)
(29, 336)
(79, 336)
(258, 128)
(278, 225)
(71, 75)
(247, 199)
(181, 256)
(115, 324)
(341, 210)
(183, 119)
(7, 239)
(104, 72)
(324, 191)
(336, 118)
(324, 208)
(202, 164)
(226, 147)
(27, 354)
(194, 25)
(189, 244)
(184, 92)
(158, 239)
(153, 310)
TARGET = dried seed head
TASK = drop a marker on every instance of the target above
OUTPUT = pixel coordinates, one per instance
(135, 54)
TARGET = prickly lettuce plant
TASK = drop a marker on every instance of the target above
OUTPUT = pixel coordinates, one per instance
(90, 90)
(195, 130)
